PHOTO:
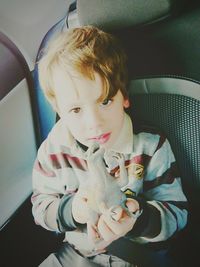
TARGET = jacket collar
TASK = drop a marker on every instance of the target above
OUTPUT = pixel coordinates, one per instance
(124, 143)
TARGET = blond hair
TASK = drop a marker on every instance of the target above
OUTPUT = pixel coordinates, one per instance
(87, 50)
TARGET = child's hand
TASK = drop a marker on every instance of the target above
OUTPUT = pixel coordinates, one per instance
(109, 229)
(80, 210)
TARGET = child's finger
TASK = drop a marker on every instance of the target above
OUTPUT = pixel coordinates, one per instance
(93, 234)
(105, 232)
(132, 205)
(120, 227)
(115, 213)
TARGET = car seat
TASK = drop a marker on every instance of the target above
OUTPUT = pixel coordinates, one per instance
(162, 42)
(47, 116)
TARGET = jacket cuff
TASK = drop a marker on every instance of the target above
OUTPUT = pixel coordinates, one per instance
(148, 224)
(65, 220)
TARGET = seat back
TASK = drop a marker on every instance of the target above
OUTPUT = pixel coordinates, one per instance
(47, 116)
(173, 105)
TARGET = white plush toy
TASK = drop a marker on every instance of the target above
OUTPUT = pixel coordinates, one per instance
(102, 189)
(103, 194)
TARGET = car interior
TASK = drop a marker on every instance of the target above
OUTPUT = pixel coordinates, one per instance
(162, 42)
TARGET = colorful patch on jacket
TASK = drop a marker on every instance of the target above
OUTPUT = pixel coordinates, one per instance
(133, 169)
(129, 192)
(136, 170)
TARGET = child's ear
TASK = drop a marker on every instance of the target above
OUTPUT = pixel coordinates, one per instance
(126, 103)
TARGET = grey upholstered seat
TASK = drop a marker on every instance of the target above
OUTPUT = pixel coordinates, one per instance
(173, 105)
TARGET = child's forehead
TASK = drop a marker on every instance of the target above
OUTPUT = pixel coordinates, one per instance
(75, 87)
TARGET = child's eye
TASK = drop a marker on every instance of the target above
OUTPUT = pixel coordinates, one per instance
(106, 102)
(75, 110)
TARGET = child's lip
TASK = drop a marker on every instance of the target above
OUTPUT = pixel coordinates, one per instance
(101, 139)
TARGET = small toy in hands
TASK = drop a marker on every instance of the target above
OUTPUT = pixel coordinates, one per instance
(102, 190)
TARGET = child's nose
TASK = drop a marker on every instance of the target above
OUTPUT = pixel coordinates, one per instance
(94, 120)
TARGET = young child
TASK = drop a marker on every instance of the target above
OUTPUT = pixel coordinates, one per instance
(94, 178)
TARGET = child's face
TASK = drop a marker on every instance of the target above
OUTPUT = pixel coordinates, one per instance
(87, 119)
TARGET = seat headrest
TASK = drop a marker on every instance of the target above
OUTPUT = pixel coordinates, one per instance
(116, 14)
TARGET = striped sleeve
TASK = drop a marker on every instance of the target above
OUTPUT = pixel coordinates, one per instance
(48, 188)
(163, 191)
